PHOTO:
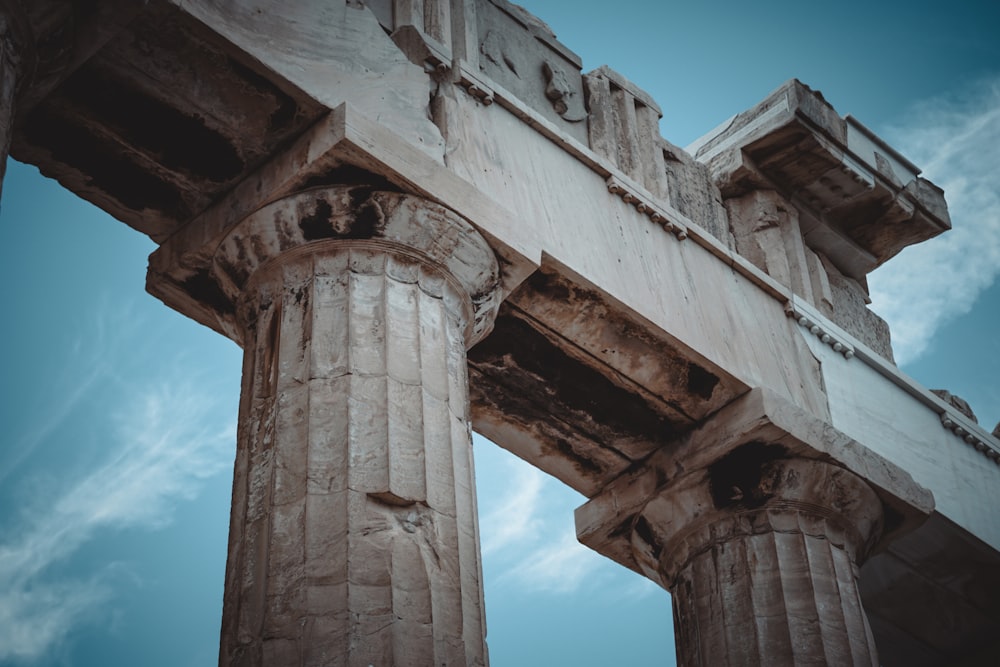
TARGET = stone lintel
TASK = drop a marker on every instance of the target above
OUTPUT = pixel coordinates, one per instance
(835, 168)
(576, 384)
(343, 146)
(605, 522)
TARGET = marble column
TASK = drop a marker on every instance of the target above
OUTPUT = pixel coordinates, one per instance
(761, 558)
(354, 537)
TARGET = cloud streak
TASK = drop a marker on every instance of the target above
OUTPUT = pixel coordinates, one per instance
(89, 364)
(956, 140)
(515, 518)
(529, 539)
(164, 445)
(562, 565)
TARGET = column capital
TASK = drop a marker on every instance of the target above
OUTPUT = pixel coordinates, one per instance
(330, 218)
(754, 490)
(757, 523)
(757, 456)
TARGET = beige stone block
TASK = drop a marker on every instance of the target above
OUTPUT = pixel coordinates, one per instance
(367, 324)
(328, 425)
(403, 358)
(438, 454)
(330, 329)
(286, 546)
(407, 473)
(370, 556)
(434, 331)
(326, 601)
(280, 651)
(325, 637)
(326, 538)
(291, 443)
(368, 434)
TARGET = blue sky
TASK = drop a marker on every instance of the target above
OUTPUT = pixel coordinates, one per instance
(119, 415)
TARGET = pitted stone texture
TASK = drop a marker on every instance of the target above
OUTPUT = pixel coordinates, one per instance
(768, 230)
(354, 536)
(784, 597)
(414, 225)
(761, 556)
(956, 402)
(354, 528)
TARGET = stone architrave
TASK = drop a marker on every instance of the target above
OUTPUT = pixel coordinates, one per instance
(354, 536)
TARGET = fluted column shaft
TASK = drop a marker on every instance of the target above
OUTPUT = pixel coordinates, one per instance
(354, 537)
(778, 592)
(761, 560)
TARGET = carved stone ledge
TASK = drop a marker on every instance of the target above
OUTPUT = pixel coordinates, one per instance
(423, 32)
(828, 337)
(976, 442)
(856, 187)
(475, 85)
(645, 205)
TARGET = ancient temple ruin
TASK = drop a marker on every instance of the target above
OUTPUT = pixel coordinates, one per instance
(419, 216)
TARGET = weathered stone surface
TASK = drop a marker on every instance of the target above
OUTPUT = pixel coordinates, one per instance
(521, 54)
(9, 66)
(646, 307)
(956, 402)
(691, 190)
(35, 44)
(848, 307)
(856, 185)
(767, 230)
(763, 563)
(758, 534)
(625, 128)
(354, 533)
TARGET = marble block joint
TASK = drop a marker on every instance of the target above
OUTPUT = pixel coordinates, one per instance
(354, 536)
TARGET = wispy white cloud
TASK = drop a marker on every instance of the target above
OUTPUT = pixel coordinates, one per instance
(35, 619)
(165, 443)
(528, 532)
(562, 565)
(956, 141)
(88, 362)
(514, 517)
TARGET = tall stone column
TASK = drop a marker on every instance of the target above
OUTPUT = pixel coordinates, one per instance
(761, 558)
(354, 537)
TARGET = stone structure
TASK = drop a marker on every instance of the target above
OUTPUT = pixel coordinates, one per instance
(354, 517)
(372, 201)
